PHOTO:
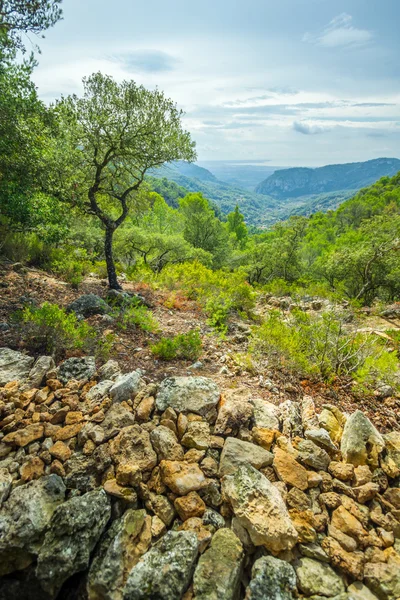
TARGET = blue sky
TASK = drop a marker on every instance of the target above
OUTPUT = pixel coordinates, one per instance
(291, 82)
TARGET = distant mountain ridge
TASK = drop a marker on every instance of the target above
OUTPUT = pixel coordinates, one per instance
(302, 181)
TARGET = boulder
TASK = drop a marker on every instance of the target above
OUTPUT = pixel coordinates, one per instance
(311, 455)
(120, 549)
(218, 572)
(14, 366)
(110, 370)
(165, 571)
(126, 386)
(271, 578)
(74, 530)
(182, 477)
(96, 393)
(188, 395)
(236, 452)
(391, 461)
(317, 578)
(117, 418)
(165, 443)
(266, 414)
(42, 366)
(24, 519)
(88, 305)
(235, 411)
(289, 470)
(260, 509)
(132, 445)
(361, 442)
(76, 368)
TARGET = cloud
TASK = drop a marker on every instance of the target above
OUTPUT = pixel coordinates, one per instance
(307, 128)
(340, 32)
(147, 61)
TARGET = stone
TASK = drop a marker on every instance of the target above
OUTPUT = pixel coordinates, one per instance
(110, 370)
(118, 491)
(359, 591)
(182, 477)
(189, 506)
(132, 445)
(37, 374)
(74, 530)
(321, 438)
(342, 471)
(290, 416)
(392, 495)
(271, 578)
(165, 571)
(329, 420)
(96, 393)
(14, 366)
(165, 443)
(196, 395)
(362, 475)
(348, 524)
(116, 418)
(317, 578)
(365, 493)
(88, 305)
(311, 455)
(23, 437)
(264, 437)
(235, 453)
(24, 519)
(33, 468)
(235, 411)
(77, 368)
(314, 550)
(309, 417)
(5, 485)
(161, 507)
(298, 499)
(158, 527)
(350, 563)
(128, 475)
(60, 451)
(126, 386)
(383, 580)
(197, 435)
(120, 549)
(213, 519)
(260, 509)
(266, 414)
(289, 470)
(203, 534)
(68, 432)
(361, 442)
(391, 462)
(145, 408)
(217, 575)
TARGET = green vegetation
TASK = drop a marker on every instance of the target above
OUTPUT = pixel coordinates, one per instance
(136, 316)
(186, 346)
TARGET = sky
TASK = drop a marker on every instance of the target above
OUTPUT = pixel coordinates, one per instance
(288, 82)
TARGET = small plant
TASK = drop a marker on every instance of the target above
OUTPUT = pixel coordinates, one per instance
(184, 346)
(132, 314)
(50, 329)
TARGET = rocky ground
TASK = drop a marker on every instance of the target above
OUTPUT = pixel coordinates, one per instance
(120, 488)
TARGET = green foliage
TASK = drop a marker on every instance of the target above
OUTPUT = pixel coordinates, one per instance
(132, 315)
(323, 347)
(186, 346)
(237, 226)
(49, 329)
(169, 190)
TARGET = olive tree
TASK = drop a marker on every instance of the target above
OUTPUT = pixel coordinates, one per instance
(112, 136)
(19, 17)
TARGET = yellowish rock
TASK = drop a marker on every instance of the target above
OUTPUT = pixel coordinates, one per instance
(289, 470)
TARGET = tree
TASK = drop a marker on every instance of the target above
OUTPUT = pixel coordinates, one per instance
(19, 17)
(113, 135)
(237, 226)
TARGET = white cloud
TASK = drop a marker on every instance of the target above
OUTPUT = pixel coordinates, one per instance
(340, 32)
(309, 128)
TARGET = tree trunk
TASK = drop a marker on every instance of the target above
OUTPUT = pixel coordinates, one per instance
(108, 251)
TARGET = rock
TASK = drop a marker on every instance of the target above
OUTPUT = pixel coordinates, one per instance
(188, 394)
(309, 417)
(165, 443)
(117, 418)
(145, 409)
(334, 426)
(96, 393)
(314, 577)
(235, 411)
(126, 386)
(361, 442)
(260, 509)
(291, 418)
(60, 451)
(359, 591)
(23, 437)
(315, 551)
(311, 455)
(124, 299)
(118, 491)
(42, 366)
(235, 453)
(88, 305)
(289, 470)
(342, 471)
(165, 571)
(24, 519)
(213, 519)
(196, 526)
(132, 445)
(120, 549)
(271, 578)
(349, 525)
(14, 366)
(190, 506)
(197, 435)
(74, 530)
(266, 414)
(33, 468)
(110, 370)
(76, 368)
(182, 477)
(391, 462)
(350, 563)
(218, 572)
(5, 485)
(383, 579)
(321, 438)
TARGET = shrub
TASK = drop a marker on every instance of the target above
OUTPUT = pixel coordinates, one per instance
(133, 315)
(49, 329)
(183, 346)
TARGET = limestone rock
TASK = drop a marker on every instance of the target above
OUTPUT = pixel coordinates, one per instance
(289, 470)
(165, 443)
(235, 411)
(383, 579)
(76, 368)
(271, 578)
(189, 506)
(291, 418)
(5, 484)
(132, 445)
(188, 394)
(260, 509)
(235, 453)
(74, 530)
(96, 393)
(42, 366)
(309, 417)
(14, 366)
(182, 477)
(361, 442)
(391, 462)
(322, 438)
(117, 418)
(217, 575)
(120, 549)
(359, 591)
(165, 571)
(317, 578)
(311, 455)
(334, 426)
(266, 414)
(88, 305)
(23, 437)
(126, 386)
(197, 435)
(110, 370)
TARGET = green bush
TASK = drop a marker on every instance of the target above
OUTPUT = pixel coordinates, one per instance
(184, 346)
(132, 315)
(49, 329)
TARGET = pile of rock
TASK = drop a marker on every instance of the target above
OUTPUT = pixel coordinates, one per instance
(114, 489)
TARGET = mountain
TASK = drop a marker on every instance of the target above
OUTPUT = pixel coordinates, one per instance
(240, 173)
(296, 182)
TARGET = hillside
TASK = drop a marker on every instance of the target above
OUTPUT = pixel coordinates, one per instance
(295, 182)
